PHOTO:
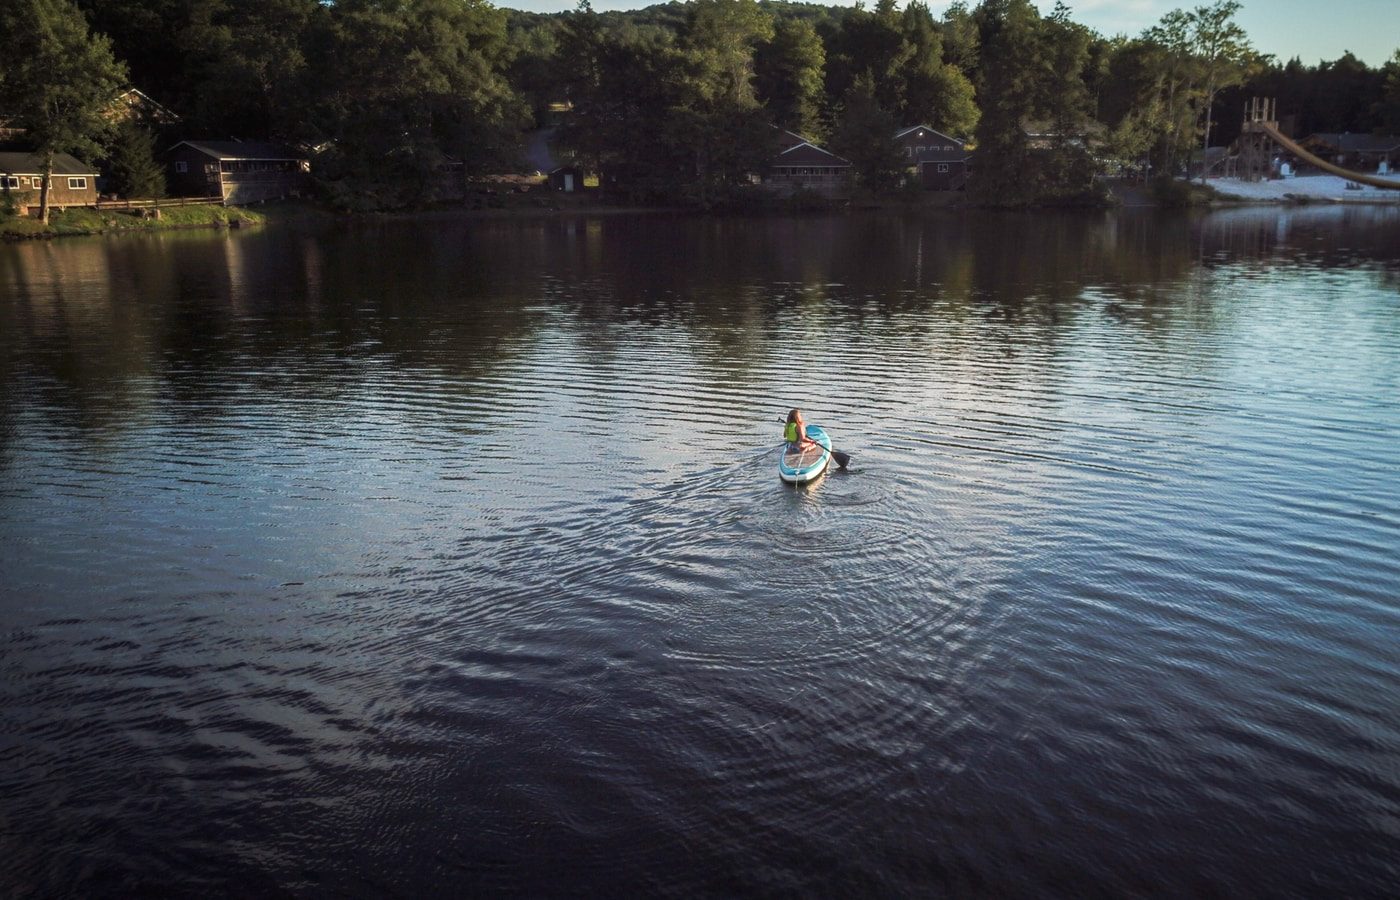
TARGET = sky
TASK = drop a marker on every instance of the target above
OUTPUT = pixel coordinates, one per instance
(1313, 30)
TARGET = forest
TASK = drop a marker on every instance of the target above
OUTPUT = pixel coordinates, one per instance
(676, 101)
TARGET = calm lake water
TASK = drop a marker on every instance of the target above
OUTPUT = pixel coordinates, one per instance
(451, 557)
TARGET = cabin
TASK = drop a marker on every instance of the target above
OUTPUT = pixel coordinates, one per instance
(799, 164)
(131, 105)
(807, 167)
(918, 140)
(1359, 152)
(940, 160)
(945, 170)
(237, 172)
(71, 184)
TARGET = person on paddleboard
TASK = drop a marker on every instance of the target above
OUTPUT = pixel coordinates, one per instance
(795, 432)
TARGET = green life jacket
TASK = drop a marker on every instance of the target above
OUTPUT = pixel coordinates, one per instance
(790, 433)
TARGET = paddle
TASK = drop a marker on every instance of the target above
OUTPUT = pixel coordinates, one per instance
(842, 459)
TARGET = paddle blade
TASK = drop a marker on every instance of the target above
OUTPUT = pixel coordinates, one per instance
(842, 459)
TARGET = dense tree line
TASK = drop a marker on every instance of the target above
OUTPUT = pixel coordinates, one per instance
(678, 98)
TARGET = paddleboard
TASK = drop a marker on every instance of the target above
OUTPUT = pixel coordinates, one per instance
(798, 466)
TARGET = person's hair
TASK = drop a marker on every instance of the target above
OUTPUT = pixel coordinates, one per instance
(794, 415)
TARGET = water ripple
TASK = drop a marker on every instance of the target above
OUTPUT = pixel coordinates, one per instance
(483, 579)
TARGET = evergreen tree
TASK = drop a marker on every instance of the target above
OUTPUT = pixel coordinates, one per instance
(61, 85)
(788, 76)
(961, 39)
(635, 104)
(935, 92)
(407, 84)
(1010, 92)
(1387, 109)
(580, 61)
(1343, 94)
(1064, 167)
(720, 124)
(873, 43)
(245, 63)
(864, 134)
(132, 165)
(534, 62)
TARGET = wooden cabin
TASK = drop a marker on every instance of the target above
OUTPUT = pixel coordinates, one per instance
(799, 164)
(71, 183)
(943, 170)
(940, 160)
(238, 172)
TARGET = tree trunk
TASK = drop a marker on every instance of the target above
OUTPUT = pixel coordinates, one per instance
(1205, 142)
(44, 188)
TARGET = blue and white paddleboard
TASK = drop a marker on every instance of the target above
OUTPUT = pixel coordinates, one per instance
(797, 466)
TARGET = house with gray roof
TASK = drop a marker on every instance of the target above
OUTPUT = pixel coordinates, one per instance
(1361, 152)
(238, 172)
(941, 160)
(71, 183)
(800, 164)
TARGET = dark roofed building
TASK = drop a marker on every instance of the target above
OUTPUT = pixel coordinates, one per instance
(945, 170)
(238, 172)
(71, 183)
(918, 142)
(940, 159)
(805, 166)
(783, 139)
(1362, 152)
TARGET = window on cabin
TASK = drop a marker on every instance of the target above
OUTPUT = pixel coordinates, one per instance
(922, 148)
(182, 167)
(908, 151)
(77, 184)
(11, 181)
(942, 167)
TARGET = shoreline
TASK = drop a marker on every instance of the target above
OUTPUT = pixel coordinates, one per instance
(1301, 190)
(88, 222)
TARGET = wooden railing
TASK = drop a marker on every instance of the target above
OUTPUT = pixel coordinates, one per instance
(157, 204)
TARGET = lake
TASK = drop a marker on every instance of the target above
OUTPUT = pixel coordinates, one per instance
(450, 556)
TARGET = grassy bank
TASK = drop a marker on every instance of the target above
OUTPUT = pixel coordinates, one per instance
(94, 221)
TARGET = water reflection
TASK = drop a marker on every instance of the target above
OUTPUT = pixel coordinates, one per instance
(413, 554)
(97, 317)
